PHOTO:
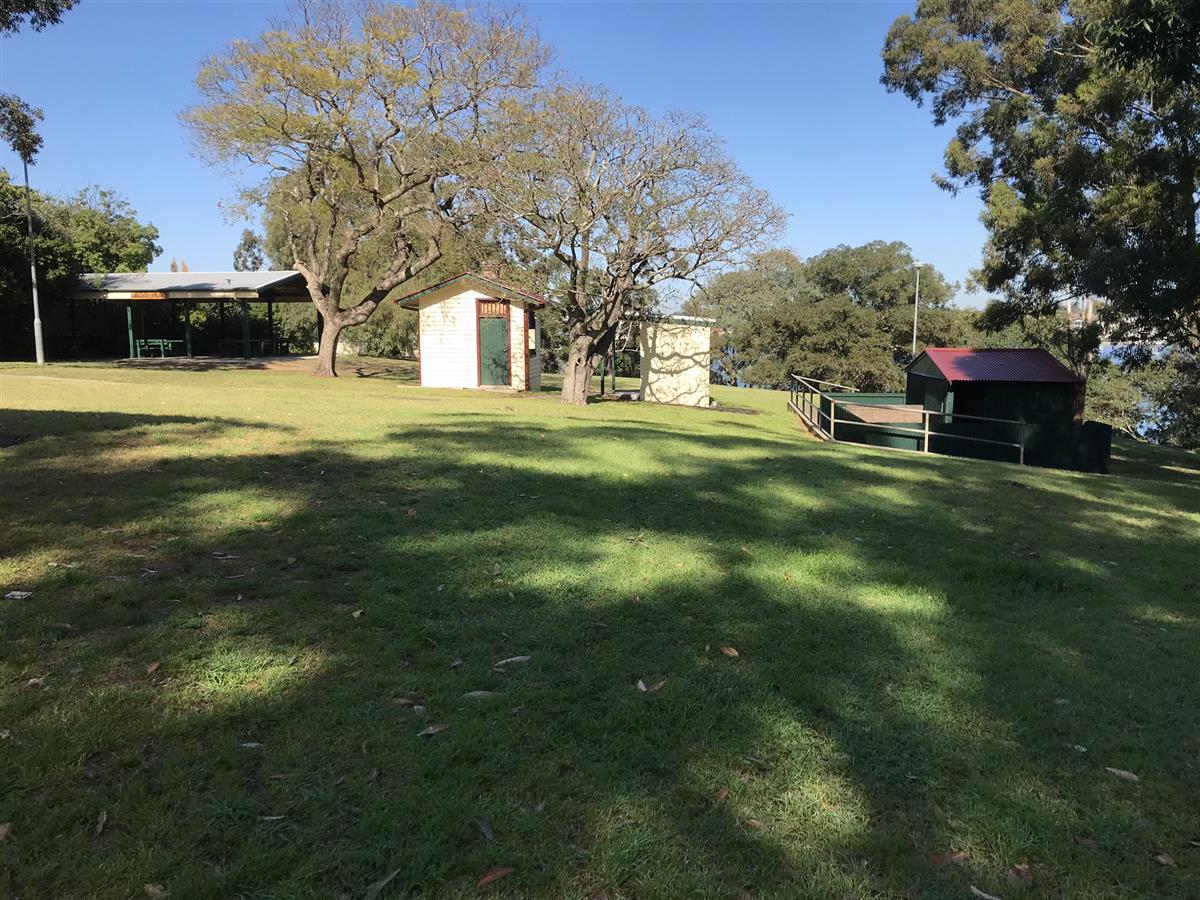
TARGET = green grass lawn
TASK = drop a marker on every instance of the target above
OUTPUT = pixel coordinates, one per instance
(252, 591)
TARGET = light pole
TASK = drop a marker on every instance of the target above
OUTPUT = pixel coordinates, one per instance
(916, 305)
(37, 315)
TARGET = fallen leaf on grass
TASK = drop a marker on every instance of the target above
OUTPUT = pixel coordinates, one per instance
(730, 652)
(154, 890)
(1087, 842)
(291, 561)
(5, 831)
(405, 701)
(153, 667)
(948, 857)
(721, 794)
(377, 888)
(494, 875)
(512, 659)
(753, 823)
(484, 828)
(480, 695)
(431, 730)
(1122, 774)
(456, 663)
(412, 511)
(357, 614)
(1018, 874)
(1165, 859)
(100, 822)
(272, 818)
(18, 595)
(650, 688)
(983, 895)
(36, 681)
(496, 569)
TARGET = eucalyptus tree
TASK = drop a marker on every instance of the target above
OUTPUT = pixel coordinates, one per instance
(1079, 122)
(364, 128)
(621, 201)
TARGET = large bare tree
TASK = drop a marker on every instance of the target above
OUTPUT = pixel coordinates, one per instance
(621, 201)
(364, 126)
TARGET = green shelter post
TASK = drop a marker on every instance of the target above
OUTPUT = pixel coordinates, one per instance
(129, 326)
(245, 330)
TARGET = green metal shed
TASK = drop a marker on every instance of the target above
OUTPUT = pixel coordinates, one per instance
(1025, 385)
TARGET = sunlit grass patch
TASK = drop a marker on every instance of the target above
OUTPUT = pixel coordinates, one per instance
(288, 636)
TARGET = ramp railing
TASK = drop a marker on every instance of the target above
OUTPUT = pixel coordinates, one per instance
(929, 430)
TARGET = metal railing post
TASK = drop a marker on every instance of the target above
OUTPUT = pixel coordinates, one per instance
(925, 415)
(832, 418)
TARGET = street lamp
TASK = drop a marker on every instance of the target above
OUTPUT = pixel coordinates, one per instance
(916, 305)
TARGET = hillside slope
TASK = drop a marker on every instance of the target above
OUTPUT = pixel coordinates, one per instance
(261, 604)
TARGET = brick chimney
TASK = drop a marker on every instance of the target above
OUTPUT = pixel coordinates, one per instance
(490, 269)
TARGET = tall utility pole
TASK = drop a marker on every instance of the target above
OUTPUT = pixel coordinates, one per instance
(37, 315)
(916, 305)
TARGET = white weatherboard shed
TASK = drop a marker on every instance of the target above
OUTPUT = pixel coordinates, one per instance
(476, 333)
(676, 359)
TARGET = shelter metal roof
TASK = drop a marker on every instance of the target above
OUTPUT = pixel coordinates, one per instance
(187, 283)
(958, 364)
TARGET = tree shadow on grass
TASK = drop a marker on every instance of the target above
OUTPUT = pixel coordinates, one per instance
(905, 631)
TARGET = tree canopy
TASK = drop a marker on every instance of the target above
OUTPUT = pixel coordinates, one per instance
(95, 230)
(1079, 122)
(367, 125)
(844, 315)
(618, 201)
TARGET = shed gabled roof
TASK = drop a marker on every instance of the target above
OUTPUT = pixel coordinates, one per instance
(958, 364)
(471, 280)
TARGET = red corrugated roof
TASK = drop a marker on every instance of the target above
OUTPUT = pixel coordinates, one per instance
(1018, 364)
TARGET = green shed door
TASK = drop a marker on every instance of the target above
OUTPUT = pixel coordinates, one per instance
(493, 351)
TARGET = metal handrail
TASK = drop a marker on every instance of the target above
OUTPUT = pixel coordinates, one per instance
(844, 387)
(934, 412)
(812, 414)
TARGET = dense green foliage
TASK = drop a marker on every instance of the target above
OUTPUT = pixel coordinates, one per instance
(1079, 122)
(95, 230)
(245, 583)
(844, 315)
(249, 254)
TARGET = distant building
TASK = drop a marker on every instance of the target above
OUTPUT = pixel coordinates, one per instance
(477, 333)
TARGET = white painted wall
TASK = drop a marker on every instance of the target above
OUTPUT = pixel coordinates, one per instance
(449, 344)
(449, 348)
(675, 363)
(516, 345)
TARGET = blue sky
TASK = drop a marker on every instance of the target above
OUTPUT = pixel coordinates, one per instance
(792, 87)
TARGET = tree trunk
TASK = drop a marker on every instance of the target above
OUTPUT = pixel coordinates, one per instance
(577, 376)
(327, 349)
